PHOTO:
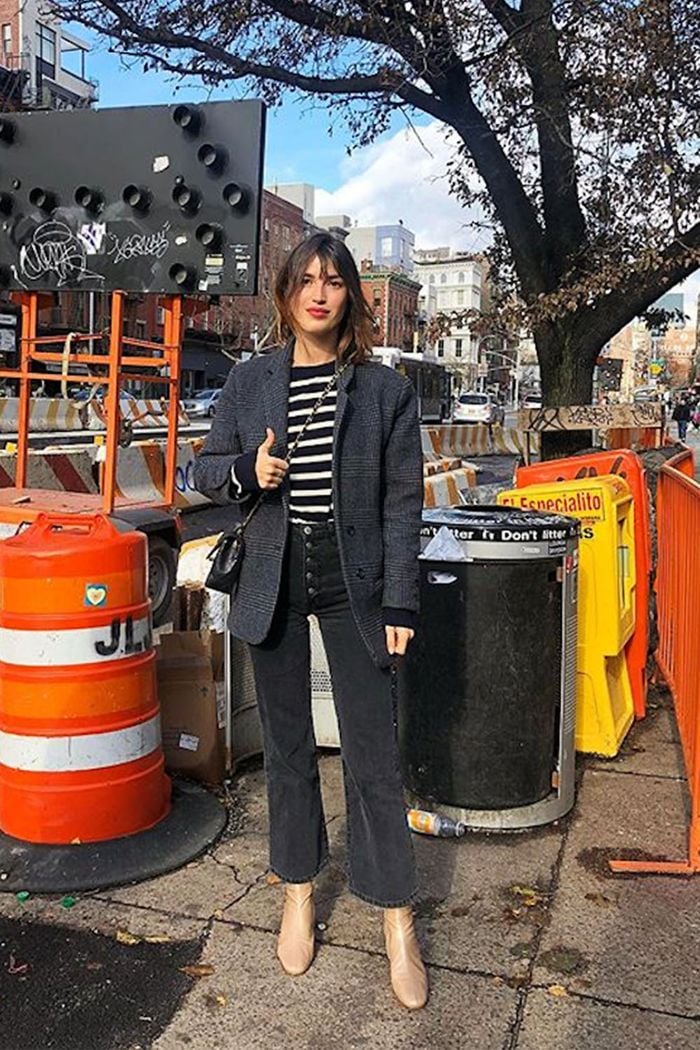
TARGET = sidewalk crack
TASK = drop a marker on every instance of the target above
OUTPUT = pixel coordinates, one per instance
(513, 1036)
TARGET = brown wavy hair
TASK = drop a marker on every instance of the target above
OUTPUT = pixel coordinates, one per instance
(355, 343)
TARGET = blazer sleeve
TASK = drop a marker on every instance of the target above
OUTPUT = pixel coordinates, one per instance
(222, 450)
(402, 504)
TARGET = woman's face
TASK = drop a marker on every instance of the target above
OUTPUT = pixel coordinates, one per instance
(318, 308)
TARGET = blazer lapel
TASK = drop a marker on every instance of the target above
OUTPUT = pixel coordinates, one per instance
(276, 397)
(343, 408)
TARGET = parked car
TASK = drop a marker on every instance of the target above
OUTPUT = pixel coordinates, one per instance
(203, 403)
(474, 407)
(532, 401)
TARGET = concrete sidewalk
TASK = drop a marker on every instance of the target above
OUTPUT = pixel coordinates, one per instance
(531, 943)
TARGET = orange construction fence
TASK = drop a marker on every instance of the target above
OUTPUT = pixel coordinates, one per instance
(678, 654)
(633, 437)
(626, 464)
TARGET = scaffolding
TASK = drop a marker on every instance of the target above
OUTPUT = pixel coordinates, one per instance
(147, 361)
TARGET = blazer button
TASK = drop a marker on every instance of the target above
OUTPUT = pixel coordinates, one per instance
(350, 530)
(360, 574)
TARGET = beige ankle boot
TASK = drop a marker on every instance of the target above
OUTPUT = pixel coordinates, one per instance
(295, 946)
(408, 976)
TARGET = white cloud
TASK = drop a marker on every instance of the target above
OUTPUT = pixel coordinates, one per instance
(404, 177)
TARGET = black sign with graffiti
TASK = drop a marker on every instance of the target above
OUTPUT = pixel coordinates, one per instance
(147, 199)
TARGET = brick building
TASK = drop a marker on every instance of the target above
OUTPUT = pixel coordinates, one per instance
(393, 298)
(664, 357)
(232, 324)
(250, 319)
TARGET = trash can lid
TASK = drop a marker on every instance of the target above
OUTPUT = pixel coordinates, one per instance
(505, 524)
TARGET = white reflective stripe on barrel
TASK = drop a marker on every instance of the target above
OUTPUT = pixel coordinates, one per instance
(70, 754)
(79, 645)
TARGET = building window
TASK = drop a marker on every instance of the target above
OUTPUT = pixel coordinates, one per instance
(160, 315)
(460, 279)
(431, 279)
(441, 348)
(7, 38)
(443, 278)
(46, 47)
(266, 230)
(377, 297)
(459, 297)
(458, 347)
(387, 247)
(140, 329)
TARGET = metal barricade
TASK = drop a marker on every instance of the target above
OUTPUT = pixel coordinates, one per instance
(678, 654)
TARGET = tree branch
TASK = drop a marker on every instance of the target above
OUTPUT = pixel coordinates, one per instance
(642, 287)
(565, 226)
(384, 82)
(307, 14)
(507, 17)
(514, 209)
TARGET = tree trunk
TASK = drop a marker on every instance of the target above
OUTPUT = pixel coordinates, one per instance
(566, 371)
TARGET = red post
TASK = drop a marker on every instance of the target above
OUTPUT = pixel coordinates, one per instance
(112, 401)
(30, 311)
(172, 339)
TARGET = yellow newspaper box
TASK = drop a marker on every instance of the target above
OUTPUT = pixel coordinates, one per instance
(606, 595)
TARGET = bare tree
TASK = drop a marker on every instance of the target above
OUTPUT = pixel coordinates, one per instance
(575, 125)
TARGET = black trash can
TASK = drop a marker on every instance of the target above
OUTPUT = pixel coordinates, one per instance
(487, 690)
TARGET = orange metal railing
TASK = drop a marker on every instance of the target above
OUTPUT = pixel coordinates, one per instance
(678, 653)
(157, 362)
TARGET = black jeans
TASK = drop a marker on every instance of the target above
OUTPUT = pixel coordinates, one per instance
(381, 869)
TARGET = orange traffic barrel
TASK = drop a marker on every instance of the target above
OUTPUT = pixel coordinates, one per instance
(625, 464)
(80, 743)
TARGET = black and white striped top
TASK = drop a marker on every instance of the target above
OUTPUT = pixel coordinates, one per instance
(311, 466)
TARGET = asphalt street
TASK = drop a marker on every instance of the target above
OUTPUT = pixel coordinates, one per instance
(73, 989)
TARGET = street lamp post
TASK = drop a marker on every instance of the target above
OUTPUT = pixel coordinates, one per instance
(513, 366)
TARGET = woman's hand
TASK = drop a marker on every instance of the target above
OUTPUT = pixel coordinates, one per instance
(269, 470)
(397, 639)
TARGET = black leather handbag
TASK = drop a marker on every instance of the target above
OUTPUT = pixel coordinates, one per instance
(226, 556)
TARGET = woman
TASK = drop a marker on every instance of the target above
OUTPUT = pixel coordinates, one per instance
(337, 535)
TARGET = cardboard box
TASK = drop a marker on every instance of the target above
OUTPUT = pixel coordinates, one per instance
(190, 667)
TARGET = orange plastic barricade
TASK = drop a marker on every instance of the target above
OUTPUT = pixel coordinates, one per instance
(678, 654)
(626, 464)
(80, 746)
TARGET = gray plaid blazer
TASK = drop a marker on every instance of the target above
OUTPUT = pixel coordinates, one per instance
(377, 490)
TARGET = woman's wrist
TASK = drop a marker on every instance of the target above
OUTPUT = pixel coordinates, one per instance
(243, 472)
